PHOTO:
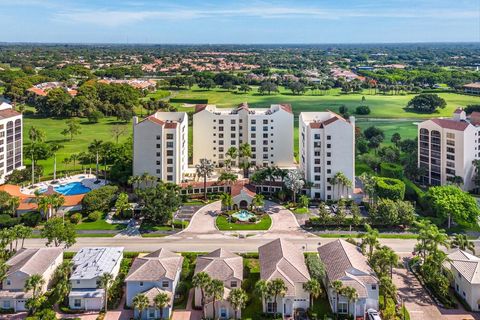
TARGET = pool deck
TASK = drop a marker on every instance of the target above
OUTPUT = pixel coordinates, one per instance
(88, 180)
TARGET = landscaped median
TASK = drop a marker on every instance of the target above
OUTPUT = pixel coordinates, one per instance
(263, 223)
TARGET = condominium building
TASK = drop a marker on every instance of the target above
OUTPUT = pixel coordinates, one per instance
(447, 147)
(268, 131)
(160, 146)
(327, 146)
(11, 145)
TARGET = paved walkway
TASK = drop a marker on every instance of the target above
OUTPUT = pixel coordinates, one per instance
(189, 313)
(132, 230)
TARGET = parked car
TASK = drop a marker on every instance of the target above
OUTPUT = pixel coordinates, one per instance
(373, 314)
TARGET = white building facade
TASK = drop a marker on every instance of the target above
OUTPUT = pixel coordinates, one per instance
(268, 131)
(160, 146)
(447, 147)
(11, 143)
(326, 146)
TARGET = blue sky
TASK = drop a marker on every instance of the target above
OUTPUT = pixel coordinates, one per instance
(217, 21)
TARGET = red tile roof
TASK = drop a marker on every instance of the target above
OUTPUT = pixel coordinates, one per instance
(451, 124)
(8, 113)
(239, 186)
(153, 119)
(458, 110)
(200, 107)
(287, 107)
(37, 91)
(170, 125)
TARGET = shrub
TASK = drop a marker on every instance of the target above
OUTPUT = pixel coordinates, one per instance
(76, 218)
(412, 192)
(6, 221)
(362, 110)
(100, 199)
(94, 216)
(179, 224)
(68, 255)
(391, 170)
(31, 219)
(315, 266)
(389, 188)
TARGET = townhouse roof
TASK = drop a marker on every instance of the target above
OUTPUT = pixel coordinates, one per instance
(155, 266)
(343, 261)
(466, 264)
(451, 124)
(92, 262)
(281, 259)
(155, 291)
(33, 261)
(220, 264)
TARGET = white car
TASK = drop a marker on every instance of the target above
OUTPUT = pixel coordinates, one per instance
(373, 314)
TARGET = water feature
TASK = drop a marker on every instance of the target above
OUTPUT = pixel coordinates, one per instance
(243, 215)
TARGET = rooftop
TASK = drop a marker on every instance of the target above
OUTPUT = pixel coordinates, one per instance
(155, 266)
(33, 261)
(92, 262)
(466, 264)
(221, 264)
(243, 106)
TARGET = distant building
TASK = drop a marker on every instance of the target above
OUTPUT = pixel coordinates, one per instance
(472, 88)
(160, 146)
(447, 147)
(89, 264)
(269, 131)
(326, 146)
(24, 264)
(11, 141)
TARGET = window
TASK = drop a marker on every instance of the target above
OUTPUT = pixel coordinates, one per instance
(77, 303)
(265, 121)
(265, 128)
(9, 282)
(220, 135)
(253, 121)
(316, 136)
(220, 128)
(151, 313)
(232, 121)
(329, 154)
(170, 144)
(329, 137)
(78, 281)
(342, 307)
(451, 150)
(170, 161)
(450, 135)
(170, 178)
(329, 145)
(165, 284)
(159, 171)
(141, 283)
(233, 284)
(374, 287)
(317, 178)
(170, 153)
(270, 308)
(169, 169)
(233, 142)
(159, 137)
(169, 136)
(158, 145)
(220, 121)
(159, 154)
(223, 313)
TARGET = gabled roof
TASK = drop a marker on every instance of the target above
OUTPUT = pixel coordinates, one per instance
(343, 261)
(466, 264)
(220, 264)
(33, 261)
(281, 259)
(451, 124)
(153, 292)
(155, 266)
(92, 262)
(237, 189)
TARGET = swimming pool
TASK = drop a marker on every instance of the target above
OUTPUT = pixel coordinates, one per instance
(70, 189)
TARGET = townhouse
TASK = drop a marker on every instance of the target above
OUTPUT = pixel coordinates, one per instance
(155, 273)
(447, 148)
(269, 132)
(344, 262)
(24, 264)
(222, 265)
(280, 259)
(11, 141)
(89, 264)
(160, 146)
(326, 147)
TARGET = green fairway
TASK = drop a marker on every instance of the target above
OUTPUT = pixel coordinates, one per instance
(406, 129)
(89, 132)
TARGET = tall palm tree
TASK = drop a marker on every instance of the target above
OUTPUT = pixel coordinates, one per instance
(74, 157)
(106, 281)
(201, 281)
(263, 290)
(44, 205)
(277, 289)
(238, 299)
(314, 288)
(462, 242)
(95, 147)
(204, 169)
(23, 233)
(13, 203)
(34, 283)
(54, 147)
(161, 300)
(215, 291)
(56, 201)
(140, 302)
(245, 153)
(227, 200)
(337, 287)
(370, 239)
(232, 154)
(258, 201)
(271, 173)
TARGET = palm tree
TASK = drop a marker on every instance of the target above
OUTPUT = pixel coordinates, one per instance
(23, 233)
(95, 147)
(245, 153)
(227, 177)
(271, 173)
(36, 135)
(232, 154)
(161, 300)
(313, 287)
(337, 287)
(294, 182)
(227, 200)
(44, 205)
(277, 289)
(54, 147)
(263, 290)
(204, 169)
(140, 302)
(258, 201)
(215, 291)
(370, 239)
(106, 281)
(34, 283)
(13, 202)
(238, 299)
(201, 281)
(462, 242)
(56, 201)
(351, 295)
(387, 289)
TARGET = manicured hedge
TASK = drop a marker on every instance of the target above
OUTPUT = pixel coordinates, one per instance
(390, 188)
(189, 101)
(412, 191)
(391, 170)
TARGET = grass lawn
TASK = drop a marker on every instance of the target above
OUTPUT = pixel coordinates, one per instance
(153, 235)
(96, 235)
(300, 210)
(321, 307)
(253, 309)
(100, 224)
(223, 224)
(357, 235)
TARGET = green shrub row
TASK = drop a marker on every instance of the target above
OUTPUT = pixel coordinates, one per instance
(390, 188)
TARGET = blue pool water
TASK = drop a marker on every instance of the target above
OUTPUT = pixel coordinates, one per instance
(70, 189)
(243, 215)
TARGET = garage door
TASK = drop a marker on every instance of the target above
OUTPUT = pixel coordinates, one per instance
(93, 304)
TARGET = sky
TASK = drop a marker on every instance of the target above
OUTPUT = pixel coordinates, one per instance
(239, 22)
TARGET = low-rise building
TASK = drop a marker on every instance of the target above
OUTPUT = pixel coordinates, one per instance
(326, 147)
(160, 146)
(472, 88)
(465, 269)
(344, 262)
(222, 265)
(89, 264)
(268, 131)
(152, 274)
(280, 259)
(11, 141)
(24, 264)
